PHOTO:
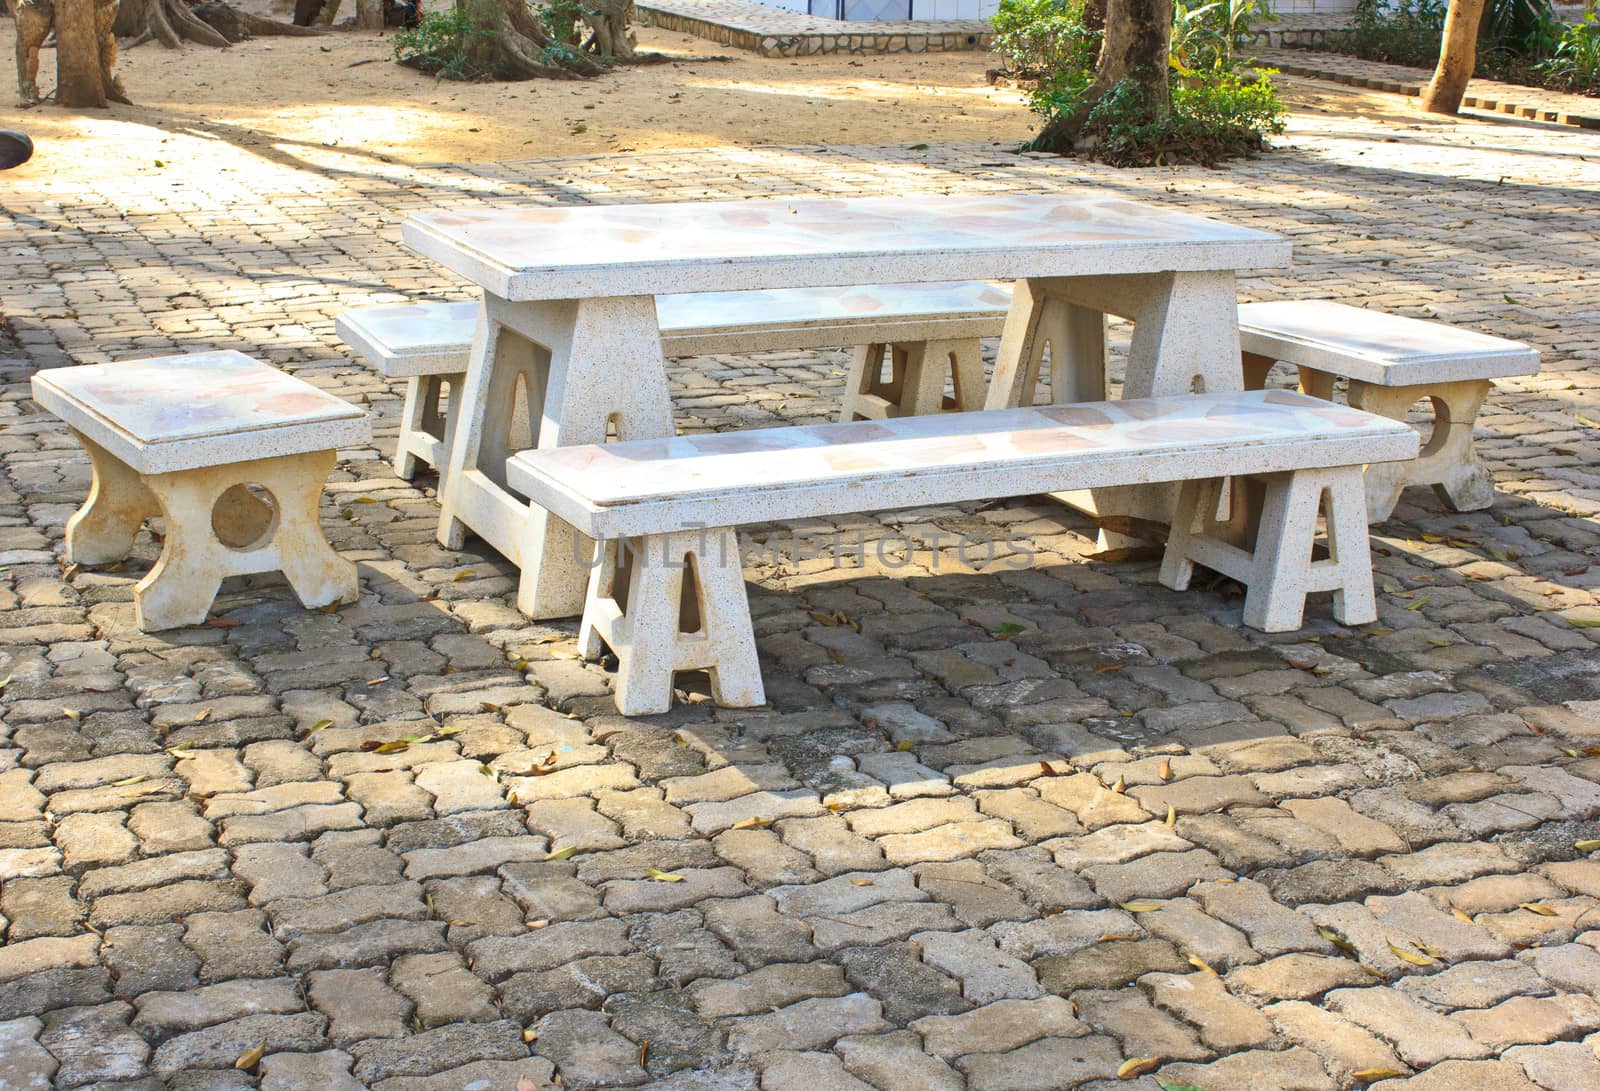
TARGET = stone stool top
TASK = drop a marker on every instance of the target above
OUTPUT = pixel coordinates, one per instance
(1377, 348)
(205, 409)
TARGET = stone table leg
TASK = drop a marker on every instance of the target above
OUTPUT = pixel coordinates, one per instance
(590, 367)
(1185, 340)
(103, 530)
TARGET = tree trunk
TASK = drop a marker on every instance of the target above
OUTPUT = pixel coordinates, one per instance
(369, 15)
(171, 22)
(510, 42)
(79, 81)
(1137, 42)
(1457, 56)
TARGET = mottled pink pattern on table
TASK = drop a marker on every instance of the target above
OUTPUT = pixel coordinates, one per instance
(831, 454)
(188, 397)
(529, 239)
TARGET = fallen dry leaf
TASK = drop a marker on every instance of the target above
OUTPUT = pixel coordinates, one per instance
(1134, 1067)
(662, 876)
(1416, 958)
(250, 1057)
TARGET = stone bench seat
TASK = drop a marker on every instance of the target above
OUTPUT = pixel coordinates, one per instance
(1392, 362)
(186, 438)
(664, 508)
(927, 332)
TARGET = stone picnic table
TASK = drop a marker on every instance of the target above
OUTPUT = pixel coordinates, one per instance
(569, 311)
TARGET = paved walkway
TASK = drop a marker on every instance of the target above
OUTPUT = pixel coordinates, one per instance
(1514, 99)
(1003, 831)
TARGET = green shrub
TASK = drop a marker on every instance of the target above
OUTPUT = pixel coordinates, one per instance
(1574, 63)
(1045, 44)
(1213, 34)
(1214, 116)
(1399, 31)
(441, 44)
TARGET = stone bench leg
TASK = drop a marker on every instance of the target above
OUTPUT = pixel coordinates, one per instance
(1281, 571)
(425, 428)
(658, 622)
(215, 528)
(1447, 461)
(916, 385)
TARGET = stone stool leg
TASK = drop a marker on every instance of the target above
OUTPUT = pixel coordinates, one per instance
(424, 427)
(658, 622)
(1256, 368)
(199, 553)
(1447, 461)
(103, 530)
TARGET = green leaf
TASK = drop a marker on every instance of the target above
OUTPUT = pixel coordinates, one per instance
(561, 854)
(662, 876)
(1584, 622)
(1006, 628)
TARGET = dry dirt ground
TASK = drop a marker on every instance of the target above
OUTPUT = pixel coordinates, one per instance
(197, 108)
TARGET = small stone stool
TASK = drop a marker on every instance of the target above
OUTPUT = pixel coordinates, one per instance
(1392, 363)
(185, 437)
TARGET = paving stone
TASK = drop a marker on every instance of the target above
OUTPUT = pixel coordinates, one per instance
(767, 988)
(220, 1045)
(895, 1062)
(800, 1071)
(1142, 1029)
(1478, 1075)
(93, 1044)
(1048, 1063)
(1288, 1070)
(907, 987)
(1158, 875)
(440, 1050)
(443, 989)
(986, 974)
(329, 1069)
(586, 1051)
(1474, 984)
(27, 1065)
(495, 957)
(1559, 1066)
(163, 1014)
(1421, 1037)
(1298, 977)
(755, 929)
(1108, 964)
(1226, 1023)
(1271, 928)
(359, 1005)
(1527, 1020)
(809, 1024)
(233, 945)
(1345, 1048)
(998, 1027)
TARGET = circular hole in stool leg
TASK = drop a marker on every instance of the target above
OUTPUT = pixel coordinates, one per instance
(244, 517)
(1424, 417)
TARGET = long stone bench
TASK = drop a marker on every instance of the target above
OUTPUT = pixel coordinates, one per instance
(665, 508)
(925, 333)
(1392, 362)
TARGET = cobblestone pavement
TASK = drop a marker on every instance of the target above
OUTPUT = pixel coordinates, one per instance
(996, 831)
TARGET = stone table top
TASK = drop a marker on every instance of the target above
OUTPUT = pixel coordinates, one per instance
(577, 252)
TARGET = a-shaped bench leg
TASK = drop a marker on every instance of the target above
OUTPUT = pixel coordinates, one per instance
(216, 529)
(917, 372)
(1447, 461)
(673, 602)
(1280, 571)
(103, 530)
(425, 427)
